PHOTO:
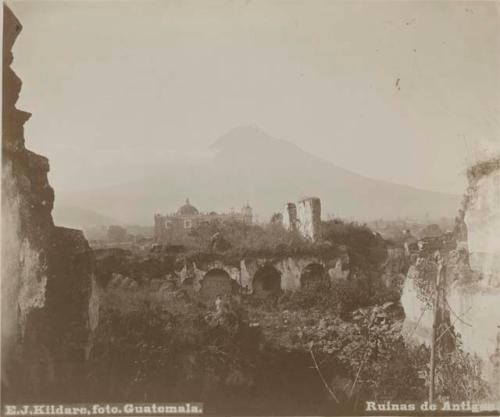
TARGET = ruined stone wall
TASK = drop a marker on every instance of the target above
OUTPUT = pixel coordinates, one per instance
(482, 217)
(309, 217)
(305, 217)
(242, 275)
(118, 268)
(472, 280)
(473, 311)
(289, 268)
(290, 216)
(45, 269)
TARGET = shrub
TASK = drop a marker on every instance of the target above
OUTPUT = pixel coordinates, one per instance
(240, 238)
(152, 350)
(365, 248)
(340, 296)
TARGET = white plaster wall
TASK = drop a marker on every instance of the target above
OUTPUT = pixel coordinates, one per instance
(483, 226)
(477, 303)
(480, 309)
(307, 224)
(418, 315)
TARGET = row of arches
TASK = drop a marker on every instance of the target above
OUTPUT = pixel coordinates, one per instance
(266, 281)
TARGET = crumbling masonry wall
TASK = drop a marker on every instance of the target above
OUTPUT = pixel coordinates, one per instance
(305, 217)
(482, 217)
(290, 216)
(45, 269)
(309, 217)
(473, 276)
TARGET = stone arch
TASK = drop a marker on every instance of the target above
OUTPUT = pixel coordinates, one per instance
(216, 283)
(312, 273)
(267, 280)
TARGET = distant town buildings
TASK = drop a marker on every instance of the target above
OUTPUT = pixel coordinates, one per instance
(304, 216)
(176, 226)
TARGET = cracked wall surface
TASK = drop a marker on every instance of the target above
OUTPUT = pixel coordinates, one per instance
(473, 276)
(46, 269)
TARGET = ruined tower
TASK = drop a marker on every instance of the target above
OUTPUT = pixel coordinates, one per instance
(309, 217)
(290, 216)
(305, 217)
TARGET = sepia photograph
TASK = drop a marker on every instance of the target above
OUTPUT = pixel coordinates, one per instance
(250, 208)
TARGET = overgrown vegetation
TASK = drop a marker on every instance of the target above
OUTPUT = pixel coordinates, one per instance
(365, 248)
(235, 238)
(341, 296)
(324, 349)
(239, 239)
(173, 348)
(145, 351)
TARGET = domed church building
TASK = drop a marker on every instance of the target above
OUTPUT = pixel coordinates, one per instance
(174, 227)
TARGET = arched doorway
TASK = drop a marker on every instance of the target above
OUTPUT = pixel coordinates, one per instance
(267, 280)
(312, 274)
(216, 283)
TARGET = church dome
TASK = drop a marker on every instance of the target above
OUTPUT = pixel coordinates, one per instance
(187, 209)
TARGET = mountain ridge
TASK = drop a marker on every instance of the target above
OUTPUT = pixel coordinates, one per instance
(230, 140)
(250, 165)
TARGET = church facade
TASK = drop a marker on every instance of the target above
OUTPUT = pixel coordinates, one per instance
(176, 226)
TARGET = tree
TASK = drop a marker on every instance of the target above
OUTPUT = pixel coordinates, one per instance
(277, 218)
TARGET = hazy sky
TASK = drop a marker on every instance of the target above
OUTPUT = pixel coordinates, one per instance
(119, 88)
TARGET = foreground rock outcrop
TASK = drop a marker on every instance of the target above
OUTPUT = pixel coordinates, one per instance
(46, 270)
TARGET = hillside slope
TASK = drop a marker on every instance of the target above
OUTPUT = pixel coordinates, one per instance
(248, 165)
